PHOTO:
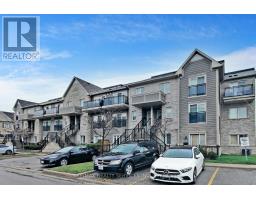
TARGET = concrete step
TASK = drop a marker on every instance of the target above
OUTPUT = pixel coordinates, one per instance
(51, 147)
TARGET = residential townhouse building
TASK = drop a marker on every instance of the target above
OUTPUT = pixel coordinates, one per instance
(199, 104)
(6, 125)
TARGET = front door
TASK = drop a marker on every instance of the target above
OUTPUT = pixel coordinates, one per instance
(72, 122)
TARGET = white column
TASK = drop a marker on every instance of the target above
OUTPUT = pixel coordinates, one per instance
(151, 116)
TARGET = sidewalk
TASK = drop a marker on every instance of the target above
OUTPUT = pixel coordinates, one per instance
(235, 166)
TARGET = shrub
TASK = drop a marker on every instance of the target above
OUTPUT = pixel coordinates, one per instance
(212, 155)
(203, 152)
(32, 147)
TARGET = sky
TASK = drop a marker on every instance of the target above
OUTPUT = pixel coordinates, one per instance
(116, 49)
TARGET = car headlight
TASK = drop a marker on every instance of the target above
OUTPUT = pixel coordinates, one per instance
(115, 162)
(153, 168)
(186, 169)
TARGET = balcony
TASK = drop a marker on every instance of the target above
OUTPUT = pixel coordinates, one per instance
(46, 113)
(197, 117)
(115, 102)
(148, 99)
(237, 94)
(70, 110)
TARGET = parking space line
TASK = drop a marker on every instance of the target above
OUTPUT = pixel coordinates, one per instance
(213, 176)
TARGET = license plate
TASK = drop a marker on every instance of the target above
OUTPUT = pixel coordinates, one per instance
(100, 167)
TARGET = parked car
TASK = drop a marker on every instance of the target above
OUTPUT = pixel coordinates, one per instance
(69, 155)
(178, 165)
(8, 150)
(125, 158)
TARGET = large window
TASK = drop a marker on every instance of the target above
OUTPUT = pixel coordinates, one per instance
(197, 86)
(119, 120)
(46, 125)
(165, 87)
(197, 113)
(237, 113)
(197, 139)
(139, 90)
(235, 139)
(168, 113)
(168, 138)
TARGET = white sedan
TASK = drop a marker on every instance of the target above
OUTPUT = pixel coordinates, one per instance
(4, 149)
(178, 165)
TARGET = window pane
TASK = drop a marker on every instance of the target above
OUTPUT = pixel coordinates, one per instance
(201, 80)
(201, 89)
(193, 108)
(202, 139)
(233, 113)
(194, 139)
(242, 112)
(233, 140)
(192, 81)
(201, 107)
(168, 138)
(201, 117)
(192, 90)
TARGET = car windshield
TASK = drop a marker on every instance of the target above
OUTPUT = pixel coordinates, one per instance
(178, 153)
(64, 150)
(124, 148)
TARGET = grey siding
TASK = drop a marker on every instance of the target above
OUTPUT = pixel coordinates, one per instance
(198, 67)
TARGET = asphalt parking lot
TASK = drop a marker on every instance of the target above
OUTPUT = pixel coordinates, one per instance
(27, 170)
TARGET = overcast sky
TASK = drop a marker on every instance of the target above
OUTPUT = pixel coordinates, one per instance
(113, 49)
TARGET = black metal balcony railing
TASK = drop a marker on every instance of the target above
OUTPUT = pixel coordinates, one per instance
(106, 101)
(46, 128)
(240, 90)
(196, 90)
(115, 123)
(197, 117)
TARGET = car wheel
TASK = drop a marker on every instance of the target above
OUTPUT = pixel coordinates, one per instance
(8, 152)
(94, 157)
(194, 176)
(203, 167)
(128, 169)
(63, 162)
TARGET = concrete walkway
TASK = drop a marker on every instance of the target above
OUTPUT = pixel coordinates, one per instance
(235, 166)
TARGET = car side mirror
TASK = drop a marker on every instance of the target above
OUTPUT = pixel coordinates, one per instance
(136, 152)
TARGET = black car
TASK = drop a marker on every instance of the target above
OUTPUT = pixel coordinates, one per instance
(69, 155)
(125, 158)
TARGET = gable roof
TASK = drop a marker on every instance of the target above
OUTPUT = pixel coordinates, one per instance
(215, 64)
(89, 87)
(24, 103)
(9, 115)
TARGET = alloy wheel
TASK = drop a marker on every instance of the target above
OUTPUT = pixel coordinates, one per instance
(63, 162)
(128, 169)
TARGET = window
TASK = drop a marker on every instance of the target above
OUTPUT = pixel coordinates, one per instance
(139, 90)
(82, 102)
(197, 139)
(116, 139)
(82, 137)
(165, 87)
(119, 120)
(237, 113)
(134, 115)
(46, 125)
(197, 113)
(168, 138)
(197, 86)
(235, 139)
(58, 125)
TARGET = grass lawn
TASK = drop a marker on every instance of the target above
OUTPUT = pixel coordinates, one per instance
(75, 169)
(234, 159)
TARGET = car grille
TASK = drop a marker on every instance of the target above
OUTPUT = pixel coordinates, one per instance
(167, 171)
(103, 162)
(167, 178)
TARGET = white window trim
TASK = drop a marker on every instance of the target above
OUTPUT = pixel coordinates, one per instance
(199, 133)
(205, 81)
(136, 89)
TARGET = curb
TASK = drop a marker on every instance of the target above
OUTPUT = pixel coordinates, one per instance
(66, 175)
(233, 166)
